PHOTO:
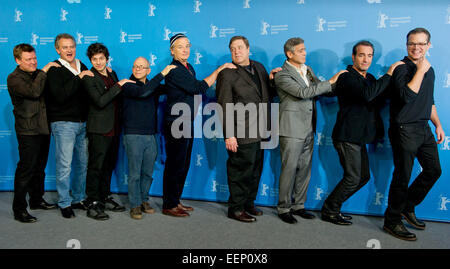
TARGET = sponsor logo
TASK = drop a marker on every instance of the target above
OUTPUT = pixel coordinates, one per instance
(3, 40)
(443, 201)
(42, 40)
(199, 160)
(5, 133)
(330, 25)
(447, 80)
(151, 10)
(247, 3)
(274, 29)
(216, 187)
(17, 15)
(197, 5)
(74, 1)
(374, 1)
(198, 56)
(447, 18)
(87, 39)
(63, 16)
(152, 59)
(108, 12)
(264, 189)
(446, 143)
(131, 37)
(223, 32)
(384, 21)
(301, 2)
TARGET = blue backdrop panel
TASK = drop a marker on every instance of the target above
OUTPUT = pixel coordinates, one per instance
(329, 28)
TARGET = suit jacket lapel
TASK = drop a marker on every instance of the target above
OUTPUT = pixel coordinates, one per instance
(295, 75)
(242, 73)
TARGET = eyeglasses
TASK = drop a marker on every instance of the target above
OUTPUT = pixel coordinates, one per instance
(411, 44)
(138, 67)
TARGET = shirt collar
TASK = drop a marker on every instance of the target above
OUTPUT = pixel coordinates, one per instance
(301, 69)
(68, 66)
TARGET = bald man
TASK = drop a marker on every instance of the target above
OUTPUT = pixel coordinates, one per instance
(140, 107)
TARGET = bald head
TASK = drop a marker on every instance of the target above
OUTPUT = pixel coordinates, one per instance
(141, 68)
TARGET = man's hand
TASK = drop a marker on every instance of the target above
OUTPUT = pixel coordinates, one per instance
(50, 65)
(123, 81)
(423, 65)
(393, 66)
(274, 71)
(440, 134)
(167, 69)
(333, 79)
(86, 73)
(231, 144)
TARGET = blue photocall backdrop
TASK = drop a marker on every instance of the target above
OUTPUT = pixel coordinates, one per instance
(330, 28)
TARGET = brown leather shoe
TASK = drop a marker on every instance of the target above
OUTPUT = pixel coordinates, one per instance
(145, 207)
(241, 216)
(185, 207)
(254, 211)
(175, 212)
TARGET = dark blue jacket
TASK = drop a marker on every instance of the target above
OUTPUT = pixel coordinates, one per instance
(181, 86)
(140, 105)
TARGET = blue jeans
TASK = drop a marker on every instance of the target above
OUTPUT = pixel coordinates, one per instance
(70, 143)
(141, 152)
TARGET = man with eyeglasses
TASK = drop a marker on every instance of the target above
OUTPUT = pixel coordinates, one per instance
(140, 106)
(412, 106)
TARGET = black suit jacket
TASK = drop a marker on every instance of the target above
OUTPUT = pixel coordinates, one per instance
(101, 108)
(358, 119)
(236, 86)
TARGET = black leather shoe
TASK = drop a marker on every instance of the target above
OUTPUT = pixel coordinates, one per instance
(42, 205)
(287, 217)
(411, 219)
(67, 212)
(399, 231)
(254, 211)
(112, 205)
(81, 205)
(24, 217)
(335, 219)
(96, 212)
(302, 213)
(346, 217)
(241, 216)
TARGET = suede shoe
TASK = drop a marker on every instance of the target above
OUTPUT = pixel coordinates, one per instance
(136, 213)
(399, 231)
(410, 217)
(145, 207)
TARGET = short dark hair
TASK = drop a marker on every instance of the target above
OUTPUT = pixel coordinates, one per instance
(291, 43)
(418, 31)
(362, 43)
(20, 48)
(96, 48)
(61, 36)
(239, 37)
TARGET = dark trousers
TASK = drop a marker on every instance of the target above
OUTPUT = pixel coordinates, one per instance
(103, 151)
(30, 172)
(408, 142)
(178, 160)
(244, 169)
(355, 162)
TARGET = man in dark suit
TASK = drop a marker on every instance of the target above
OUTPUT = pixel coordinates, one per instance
(248, 85)
(103, 131)
(358, 123)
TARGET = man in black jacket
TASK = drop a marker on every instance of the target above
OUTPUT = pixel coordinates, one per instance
(358, 123)
(412, 107)
(26, 86)
(67, 112)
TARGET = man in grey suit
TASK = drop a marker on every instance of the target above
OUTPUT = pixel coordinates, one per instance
(297, 87)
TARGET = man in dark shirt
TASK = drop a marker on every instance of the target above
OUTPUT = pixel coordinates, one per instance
(25, 86)
(412, 106)
(358, 123)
